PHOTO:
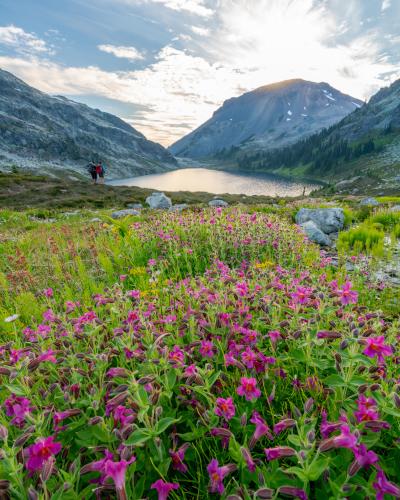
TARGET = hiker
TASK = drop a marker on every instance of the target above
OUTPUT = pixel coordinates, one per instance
(100, 172)
(91, 168)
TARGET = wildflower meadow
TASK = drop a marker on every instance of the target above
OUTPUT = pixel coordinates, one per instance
(208, 354)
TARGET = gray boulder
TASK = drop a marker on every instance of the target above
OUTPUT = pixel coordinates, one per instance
(120, 214)
(328, 220)
(395, 208)
(315, 234)
(218, 203)
(369, 202)
(135, 206)
(159, 201)
(179, 207)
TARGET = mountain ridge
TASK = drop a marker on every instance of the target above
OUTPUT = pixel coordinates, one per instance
(270, 116)
(38, 129)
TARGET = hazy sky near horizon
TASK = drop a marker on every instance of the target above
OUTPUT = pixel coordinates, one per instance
(166, 65)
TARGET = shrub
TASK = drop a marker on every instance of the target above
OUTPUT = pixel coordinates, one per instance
(349, 217)
(387, 219)
(363, 238)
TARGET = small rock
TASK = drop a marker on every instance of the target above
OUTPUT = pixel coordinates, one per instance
(120, 214)
(369, 202)
(218, 203)
(328, 220)
(178, 208)
(135, 206)
(159, 201)
(315, 234)
(95, 219)
(395, 208)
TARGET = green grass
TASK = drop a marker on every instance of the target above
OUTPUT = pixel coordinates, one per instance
(363, 238)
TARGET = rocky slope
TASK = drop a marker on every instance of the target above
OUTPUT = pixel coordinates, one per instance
(268, 117)
(40, 131)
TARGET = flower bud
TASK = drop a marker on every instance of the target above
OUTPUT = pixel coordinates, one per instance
(32, 494)
(3, 433)
(264, 493)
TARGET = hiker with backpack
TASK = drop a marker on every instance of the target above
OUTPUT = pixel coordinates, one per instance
(92, 169)
(101, 171)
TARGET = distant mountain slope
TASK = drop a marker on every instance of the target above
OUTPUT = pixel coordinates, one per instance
(37, 129)
(268, 117)
(365, 142)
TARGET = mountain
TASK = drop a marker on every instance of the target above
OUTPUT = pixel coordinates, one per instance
(268, 117)
(365, 144)
(38, 130)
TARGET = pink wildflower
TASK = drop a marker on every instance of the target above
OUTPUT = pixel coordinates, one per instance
(48, 292)
(190, 371)
(225, 408)
(117, 471)
(163, 488)
(217, 475)
(18, 408)
(384, 487)
(377, 347)
(261, 429)
(248, 357)
(283, 425)
(344, 440)
(47, 356)
(177, 355)
(346, 294)
(40, 452)
(123, 416)
(248, 459)
(366, 409)
(178, 457)
(301, 295)
(279, 452)
(274, 336)
(206, 349)
(363, 459)
(242, 288)
(248, 388)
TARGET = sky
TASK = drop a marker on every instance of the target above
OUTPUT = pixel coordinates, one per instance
(166, 65)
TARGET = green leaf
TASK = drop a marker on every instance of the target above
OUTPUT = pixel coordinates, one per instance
(171, 379)
(298, 354)
(211, 381)
(234, 450)
(317, 468)
(138, 437)
(297, 471)
(192, 436)
(164, 423)
(334, 381)
(294, 439)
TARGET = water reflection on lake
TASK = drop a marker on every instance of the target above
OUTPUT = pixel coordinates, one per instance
(218, 182)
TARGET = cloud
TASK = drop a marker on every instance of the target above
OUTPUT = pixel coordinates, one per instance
(22, 42)
(122, 52)
(196, 7)
(386, 4)
(200, 31)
